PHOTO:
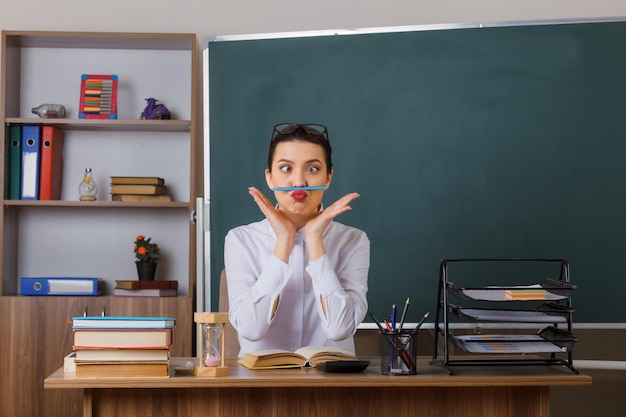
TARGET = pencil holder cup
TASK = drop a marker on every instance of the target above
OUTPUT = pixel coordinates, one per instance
(398, 352)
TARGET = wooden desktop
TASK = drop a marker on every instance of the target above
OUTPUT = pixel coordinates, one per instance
(519, 391)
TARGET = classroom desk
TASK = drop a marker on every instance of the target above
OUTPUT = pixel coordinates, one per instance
(487, 391)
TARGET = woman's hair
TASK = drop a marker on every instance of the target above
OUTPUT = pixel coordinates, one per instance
(316, 134)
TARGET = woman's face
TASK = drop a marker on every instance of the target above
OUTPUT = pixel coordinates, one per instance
(298, 163)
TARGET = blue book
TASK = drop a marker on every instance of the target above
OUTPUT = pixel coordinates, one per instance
(122, 322)
(31, 157)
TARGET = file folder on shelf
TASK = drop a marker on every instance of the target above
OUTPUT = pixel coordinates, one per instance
(61, 286)
(51, 163)
(14, 138)
(7, 160)
(31, 156)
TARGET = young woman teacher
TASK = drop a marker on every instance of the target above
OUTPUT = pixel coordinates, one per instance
(297, 278)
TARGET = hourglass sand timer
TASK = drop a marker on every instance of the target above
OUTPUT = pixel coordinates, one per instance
(212, 357)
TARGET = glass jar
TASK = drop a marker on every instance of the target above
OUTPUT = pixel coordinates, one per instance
(49, 111)
(87, 189)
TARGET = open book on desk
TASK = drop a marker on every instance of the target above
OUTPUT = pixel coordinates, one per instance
(308, 356)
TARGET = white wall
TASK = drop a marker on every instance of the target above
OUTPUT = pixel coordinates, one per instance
(227, 17)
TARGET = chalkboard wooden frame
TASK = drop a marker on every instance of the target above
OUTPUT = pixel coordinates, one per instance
(482, 140)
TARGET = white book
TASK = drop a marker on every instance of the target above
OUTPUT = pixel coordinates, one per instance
(121, 355)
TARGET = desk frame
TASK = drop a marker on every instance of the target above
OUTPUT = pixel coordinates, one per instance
(483, 392)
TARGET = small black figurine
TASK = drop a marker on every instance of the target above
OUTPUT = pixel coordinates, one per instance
(155, 111)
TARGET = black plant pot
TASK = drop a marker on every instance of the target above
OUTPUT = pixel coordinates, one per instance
(146, 270)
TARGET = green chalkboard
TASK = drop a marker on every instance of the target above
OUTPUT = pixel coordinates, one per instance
(491, 142)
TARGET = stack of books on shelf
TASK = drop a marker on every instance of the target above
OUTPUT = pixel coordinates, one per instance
(139, 189)
(121, 347)
(146, 288)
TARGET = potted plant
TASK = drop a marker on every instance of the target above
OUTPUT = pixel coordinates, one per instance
(147, 256)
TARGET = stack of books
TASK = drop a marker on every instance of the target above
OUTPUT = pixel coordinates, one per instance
(139, 189)
(122, 346)
(134, 288)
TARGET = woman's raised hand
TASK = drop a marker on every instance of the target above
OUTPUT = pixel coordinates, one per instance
(315, 228)
(285, 230)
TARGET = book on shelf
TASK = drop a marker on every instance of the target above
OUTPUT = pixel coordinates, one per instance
(121, 355)
(129, 180)
(146, 292)
(308, 356)
(136, 284)
(163, 198)
(145, 189)
(122, 338)
(122, 370)
(122, 322)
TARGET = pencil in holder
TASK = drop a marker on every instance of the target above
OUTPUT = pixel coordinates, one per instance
(398, 352)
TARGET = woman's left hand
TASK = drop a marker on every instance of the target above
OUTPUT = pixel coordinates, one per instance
(315, 228)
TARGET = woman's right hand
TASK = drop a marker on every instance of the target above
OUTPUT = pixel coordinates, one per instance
(285, 230)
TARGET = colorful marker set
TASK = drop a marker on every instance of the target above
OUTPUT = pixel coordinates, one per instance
(98, 96)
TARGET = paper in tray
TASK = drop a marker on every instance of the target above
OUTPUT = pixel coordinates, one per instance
(548, 340)
(492, 347)
(545, 313)
(551, 289)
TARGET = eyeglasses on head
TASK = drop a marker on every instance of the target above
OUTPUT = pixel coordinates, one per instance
(308, 128)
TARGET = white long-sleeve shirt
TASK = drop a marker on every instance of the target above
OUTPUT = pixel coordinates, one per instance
(256, 278)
